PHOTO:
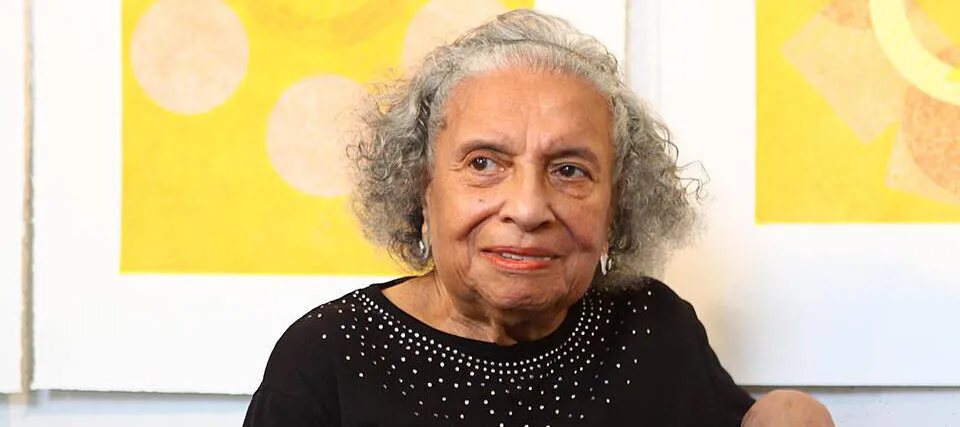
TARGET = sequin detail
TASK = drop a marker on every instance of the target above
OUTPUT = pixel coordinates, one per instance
(439, 381)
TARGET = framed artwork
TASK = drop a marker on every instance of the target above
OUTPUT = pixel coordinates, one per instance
(826, 130)
(862, 95)
(191, 191)
(12, 177)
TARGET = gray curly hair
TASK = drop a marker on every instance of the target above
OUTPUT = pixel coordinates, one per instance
(654, 207)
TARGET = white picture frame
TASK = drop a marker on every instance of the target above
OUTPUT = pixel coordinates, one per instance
(96, 329)
(12, 178)
(792, 305)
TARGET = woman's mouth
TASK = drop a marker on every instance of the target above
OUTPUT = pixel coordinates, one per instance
(520, 259)
(509, 255)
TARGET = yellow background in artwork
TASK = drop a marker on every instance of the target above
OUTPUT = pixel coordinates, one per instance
(811, 167)
(199, 192)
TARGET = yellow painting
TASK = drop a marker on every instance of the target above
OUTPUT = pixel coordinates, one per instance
(858, 111)
(235, 118)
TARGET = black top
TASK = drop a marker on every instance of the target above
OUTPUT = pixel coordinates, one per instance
(633, 358)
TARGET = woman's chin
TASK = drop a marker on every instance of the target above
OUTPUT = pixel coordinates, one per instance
(521, 296)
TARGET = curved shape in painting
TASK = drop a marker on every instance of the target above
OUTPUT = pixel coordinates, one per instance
(919, 66)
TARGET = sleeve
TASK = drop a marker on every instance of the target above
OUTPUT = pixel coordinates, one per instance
(299, 387)
(734, 401)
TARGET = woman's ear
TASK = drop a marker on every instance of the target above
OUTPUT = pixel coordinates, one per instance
(425, 227)
(425, 212)
(426, 199)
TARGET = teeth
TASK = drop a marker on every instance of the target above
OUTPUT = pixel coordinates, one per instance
(523, 257)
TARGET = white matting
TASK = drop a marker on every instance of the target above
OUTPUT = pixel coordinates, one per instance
(12, 108)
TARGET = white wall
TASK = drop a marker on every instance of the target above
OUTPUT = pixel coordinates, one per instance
(78, 409)
(851, 407)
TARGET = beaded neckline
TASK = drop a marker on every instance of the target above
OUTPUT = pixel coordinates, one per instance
(584, 360)
(407, 326)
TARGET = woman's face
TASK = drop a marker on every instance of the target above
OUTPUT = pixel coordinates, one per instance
(519, 202)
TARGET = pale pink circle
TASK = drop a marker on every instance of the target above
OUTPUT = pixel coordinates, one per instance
(308, 130)
(189, 56)
(441, 22)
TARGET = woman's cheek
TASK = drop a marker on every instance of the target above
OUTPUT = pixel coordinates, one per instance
(470, 210)
(587, 223)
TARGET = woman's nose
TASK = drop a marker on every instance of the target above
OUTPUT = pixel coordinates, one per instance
(527, 200)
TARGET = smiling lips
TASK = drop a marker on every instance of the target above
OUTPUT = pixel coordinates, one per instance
(520, 259)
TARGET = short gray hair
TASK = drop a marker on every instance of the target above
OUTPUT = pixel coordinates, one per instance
(654, 207)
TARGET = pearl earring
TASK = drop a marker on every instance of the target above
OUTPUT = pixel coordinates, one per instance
(606, 264)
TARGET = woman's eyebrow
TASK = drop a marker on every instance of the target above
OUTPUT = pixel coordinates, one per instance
(579, 152)
(495, 145)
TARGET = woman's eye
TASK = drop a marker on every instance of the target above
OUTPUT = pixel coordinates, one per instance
(571, 171)
(483, 164)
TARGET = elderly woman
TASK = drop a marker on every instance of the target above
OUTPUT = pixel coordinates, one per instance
(520, 173)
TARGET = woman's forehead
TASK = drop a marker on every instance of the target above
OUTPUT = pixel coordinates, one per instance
(520, 83)
(507, 102)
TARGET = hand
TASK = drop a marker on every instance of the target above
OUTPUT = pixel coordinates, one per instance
(787, 408)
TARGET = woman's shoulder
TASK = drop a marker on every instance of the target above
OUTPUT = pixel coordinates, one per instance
(328, 323)
(649, 298)
(302, 369)
(641, 288)
(306, 354)
(333, 323)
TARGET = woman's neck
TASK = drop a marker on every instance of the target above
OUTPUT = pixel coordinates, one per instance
(430, 302)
